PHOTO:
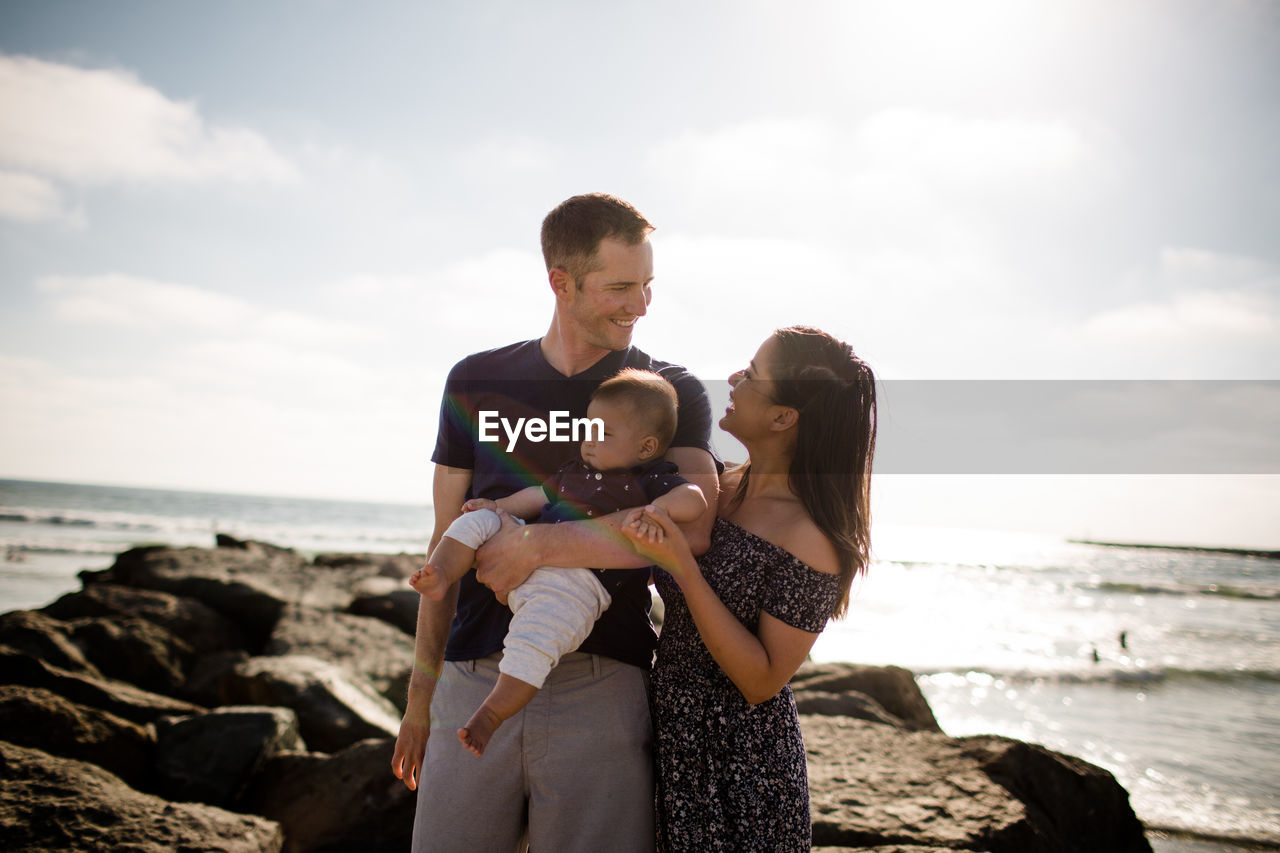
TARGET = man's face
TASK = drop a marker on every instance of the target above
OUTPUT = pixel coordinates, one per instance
(604, 309)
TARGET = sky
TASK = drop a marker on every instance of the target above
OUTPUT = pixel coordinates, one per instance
(241, 243)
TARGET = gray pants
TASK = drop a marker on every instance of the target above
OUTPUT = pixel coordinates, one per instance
(553, 610)
(572, 772)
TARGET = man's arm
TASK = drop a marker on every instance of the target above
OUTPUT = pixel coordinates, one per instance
(510, 556)
(448, 489)
(683, 503)
(697, 466)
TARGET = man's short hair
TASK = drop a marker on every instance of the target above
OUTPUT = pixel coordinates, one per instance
(652, 399)
(571, 233)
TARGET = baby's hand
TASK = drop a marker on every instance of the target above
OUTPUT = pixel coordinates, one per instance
(654, 536)
(643, 526)
(479, 503)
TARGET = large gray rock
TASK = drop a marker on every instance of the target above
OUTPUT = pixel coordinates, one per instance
(394, 566)
(1066, 796)
(132, 649)
(118, 697)
(891, 687)
(207, 679)
(36, 718)
(248, 582)
(390, 599)
(851, 704)
(210, 758)
(249, 587)
(200, 626)
(873, 785)
(335, 708)
(365, 647)
(347, 801)
(52, 803)
(44, 637)
(888, 848)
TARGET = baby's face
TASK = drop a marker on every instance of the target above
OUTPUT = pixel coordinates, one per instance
(623, 437)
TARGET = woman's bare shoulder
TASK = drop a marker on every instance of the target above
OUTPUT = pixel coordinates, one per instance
(810, 545)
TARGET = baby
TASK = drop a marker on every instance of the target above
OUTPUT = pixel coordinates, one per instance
(554, 610)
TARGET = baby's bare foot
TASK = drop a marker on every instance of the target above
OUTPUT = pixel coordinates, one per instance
(476, 733)
(427, 581)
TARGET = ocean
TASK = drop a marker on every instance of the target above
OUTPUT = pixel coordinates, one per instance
(1162, 666)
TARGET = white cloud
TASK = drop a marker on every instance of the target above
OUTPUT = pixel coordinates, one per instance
(972, 151)
(1191, 316)
(779, 154)
(27, 198)
(67, 424)
(504, 157)
(94, 126)
(1193, 294)
(131, 302)
(892, 149)
(1196, 313)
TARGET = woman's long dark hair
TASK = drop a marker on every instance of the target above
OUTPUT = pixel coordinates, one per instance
(835, 393)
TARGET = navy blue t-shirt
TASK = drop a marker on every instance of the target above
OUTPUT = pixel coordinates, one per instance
(515, 382)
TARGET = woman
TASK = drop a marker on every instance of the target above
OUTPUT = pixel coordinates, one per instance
(792, 532)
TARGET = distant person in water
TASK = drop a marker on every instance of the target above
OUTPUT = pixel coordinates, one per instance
(555, 609)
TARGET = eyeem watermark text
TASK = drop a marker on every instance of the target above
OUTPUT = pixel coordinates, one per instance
(560, 427)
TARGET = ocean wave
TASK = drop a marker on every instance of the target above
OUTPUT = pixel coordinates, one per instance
(16, 550)
(52, 530)
(1101, 675)
(1172, 588)
(114, 521)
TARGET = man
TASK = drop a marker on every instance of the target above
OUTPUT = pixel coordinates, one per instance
(572, 771)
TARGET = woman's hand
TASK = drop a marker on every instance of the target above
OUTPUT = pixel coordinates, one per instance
(656, 537)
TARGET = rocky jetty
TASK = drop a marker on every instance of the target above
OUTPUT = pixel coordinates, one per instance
(245, 698)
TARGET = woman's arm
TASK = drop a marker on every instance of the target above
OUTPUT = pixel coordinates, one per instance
(759, 664)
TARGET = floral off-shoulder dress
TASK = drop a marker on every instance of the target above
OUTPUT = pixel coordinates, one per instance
(731, 776)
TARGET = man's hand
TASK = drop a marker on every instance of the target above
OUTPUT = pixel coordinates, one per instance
(411, 747)
(506, 560)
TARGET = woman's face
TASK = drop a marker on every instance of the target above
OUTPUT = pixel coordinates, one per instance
(751, 394)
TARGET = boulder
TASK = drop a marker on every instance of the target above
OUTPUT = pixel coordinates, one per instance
(132, 649)
(892, 687)
(363, 646)
(44, 637)
(347, 801)
(389, 599)
(249, 587)
(206, 684)
(107, 694)
(1067, 796)
(250, 583)
(210, 758)
(851, 704)
(39, 719)
(55, 803)
(335, 708)
(873, 785)
(394, 566)
(888, 848)
(200, 626)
